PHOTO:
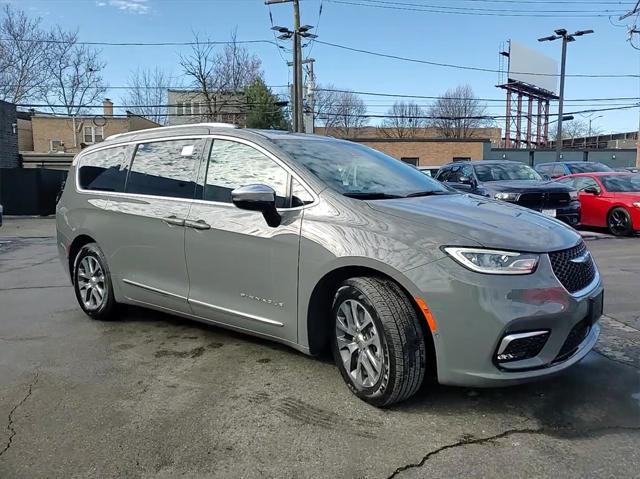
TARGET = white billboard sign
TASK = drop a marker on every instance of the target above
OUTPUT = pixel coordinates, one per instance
(533, 68)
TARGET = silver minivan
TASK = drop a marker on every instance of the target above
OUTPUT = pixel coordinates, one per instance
(324, 244)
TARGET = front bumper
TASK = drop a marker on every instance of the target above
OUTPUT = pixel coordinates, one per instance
(474, 312)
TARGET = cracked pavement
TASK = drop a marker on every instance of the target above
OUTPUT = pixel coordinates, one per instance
(157, 396)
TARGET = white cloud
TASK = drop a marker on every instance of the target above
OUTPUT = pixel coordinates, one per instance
(130, 6)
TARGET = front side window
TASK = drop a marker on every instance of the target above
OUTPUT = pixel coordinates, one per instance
(233, 164)
(358, 171)
(104, 170)
(165, 168)
(506, 172)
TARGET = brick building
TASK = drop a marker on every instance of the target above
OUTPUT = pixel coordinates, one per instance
(190, 106)
(8, 135)
(61, 133)
(430, 151)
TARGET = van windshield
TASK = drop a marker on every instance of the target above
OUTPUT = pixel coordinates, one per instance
(358, 171)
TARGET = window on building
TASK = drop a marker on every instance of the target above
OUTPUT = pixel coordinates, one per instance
(179, 108)
(165, 168)
(56, 145)
(104, 170)
(187, 108)
(410, 160)
(93, 134)
(233, 164)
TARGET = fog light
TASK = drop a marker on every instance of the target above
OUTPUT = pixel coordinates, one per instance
(520, 346)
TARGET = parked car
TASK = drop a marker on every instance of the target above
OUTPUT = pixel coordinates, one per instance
(515, 183)
(1, 211)
(609, 200)
(629, 169)
(558, 169)
(317, 242)
(430, 171)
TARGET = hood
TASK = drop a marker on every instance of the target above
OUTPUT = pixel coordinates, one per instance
(526, 186)
(492, 224)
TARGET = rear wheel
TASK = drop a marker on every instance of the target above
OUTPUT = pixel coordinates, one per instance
(92, 283)
(377, 342)
(619, 222)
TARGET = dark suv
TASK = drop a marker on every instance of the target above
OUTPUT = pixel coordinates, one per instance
(516, 183)
(557, 169)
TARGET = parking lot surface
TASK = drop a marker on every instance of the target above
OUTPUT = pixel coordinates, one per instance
(153, 395)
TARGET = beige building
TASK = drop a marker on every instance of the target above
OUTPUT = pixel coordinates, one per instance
(187, 106)
(57, 133)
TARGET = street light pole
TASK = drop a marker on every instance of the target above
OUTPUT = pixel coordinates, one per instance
(566, 38)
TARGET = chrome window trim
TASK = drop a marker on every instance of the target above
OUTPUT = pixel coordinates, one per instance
(152, 289)
(237, 313)
(77, 163)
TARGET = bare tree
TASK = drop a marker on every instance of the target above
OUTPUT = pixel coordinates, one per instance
(235, 68)
(324, 100)
(147, 94)
(73, 72)
(218, 77)
(576, 128)
(405, 120)
(22, 55)
(345, 115)
(457, 113)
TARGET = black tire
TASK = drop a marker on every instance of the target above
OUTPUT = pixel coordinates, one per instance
(106, 308)
(401, 339)
(619, 222)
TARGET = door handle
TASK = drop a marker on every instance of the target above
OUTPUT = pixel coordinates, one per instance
(174, 220)
(198, 224)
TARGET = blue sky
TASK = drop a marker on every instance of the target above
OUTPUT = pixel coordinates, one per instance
(469, 39)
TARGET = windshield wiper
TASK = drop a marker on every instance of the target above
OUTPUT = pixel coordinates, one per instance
(372, 196)
(427, 193)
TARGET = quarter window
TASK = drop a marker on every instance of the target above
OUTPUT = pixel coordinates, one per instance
(165, 168)
(104, 170)
(233, 164)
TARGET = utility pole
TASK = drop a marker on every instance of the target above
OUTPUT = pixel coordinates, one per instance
(297, 33)
(566, 38)
(633, 30)
(309, 88)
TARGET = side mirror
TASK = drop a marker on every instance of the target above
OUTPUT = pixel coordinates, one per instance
(465, 180)
(258, 198)
(591, 190)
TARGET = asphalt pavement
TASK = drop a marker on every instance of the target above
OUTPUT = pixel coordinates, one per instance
(154, 395)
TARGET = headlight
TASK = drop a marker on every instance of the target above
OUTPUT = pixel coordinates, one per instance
(573, 195)
(507, 196)
(637, 205)
(494, 262)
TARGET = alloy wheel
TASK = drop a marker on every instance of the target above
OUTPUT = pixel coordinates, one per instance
(619, 222)
(359, 344)
(91, 283)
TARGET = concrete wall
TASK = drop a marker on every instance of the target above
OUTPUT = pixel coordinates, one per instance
(616, 158)
(429, 151)
(8, 135)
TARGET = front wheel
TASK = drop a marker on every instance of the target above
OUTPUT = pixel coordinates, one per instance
(92, 283)
(619, 222)
(377, 341)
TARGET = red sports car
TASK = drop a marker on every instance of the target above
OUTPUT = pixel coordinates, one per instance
(608, 199)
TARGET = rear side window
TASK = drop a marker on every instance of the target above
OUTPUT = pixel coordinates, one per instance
(233, 164)
(165, 168)
(104, 170)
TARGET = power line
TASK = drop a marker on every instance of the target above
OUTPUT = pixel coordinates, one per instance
(484, 9)
(466, 67)
(433, 9)
(138, 44)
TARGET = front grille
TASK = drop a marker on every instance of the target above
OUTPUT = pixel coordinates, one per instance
(531, 200)
(523, 348)
(574, 267)
(575, 337)
(539, 201)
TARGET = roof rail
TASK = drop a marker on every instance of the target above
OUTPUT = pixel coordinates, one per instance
(172, 127)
